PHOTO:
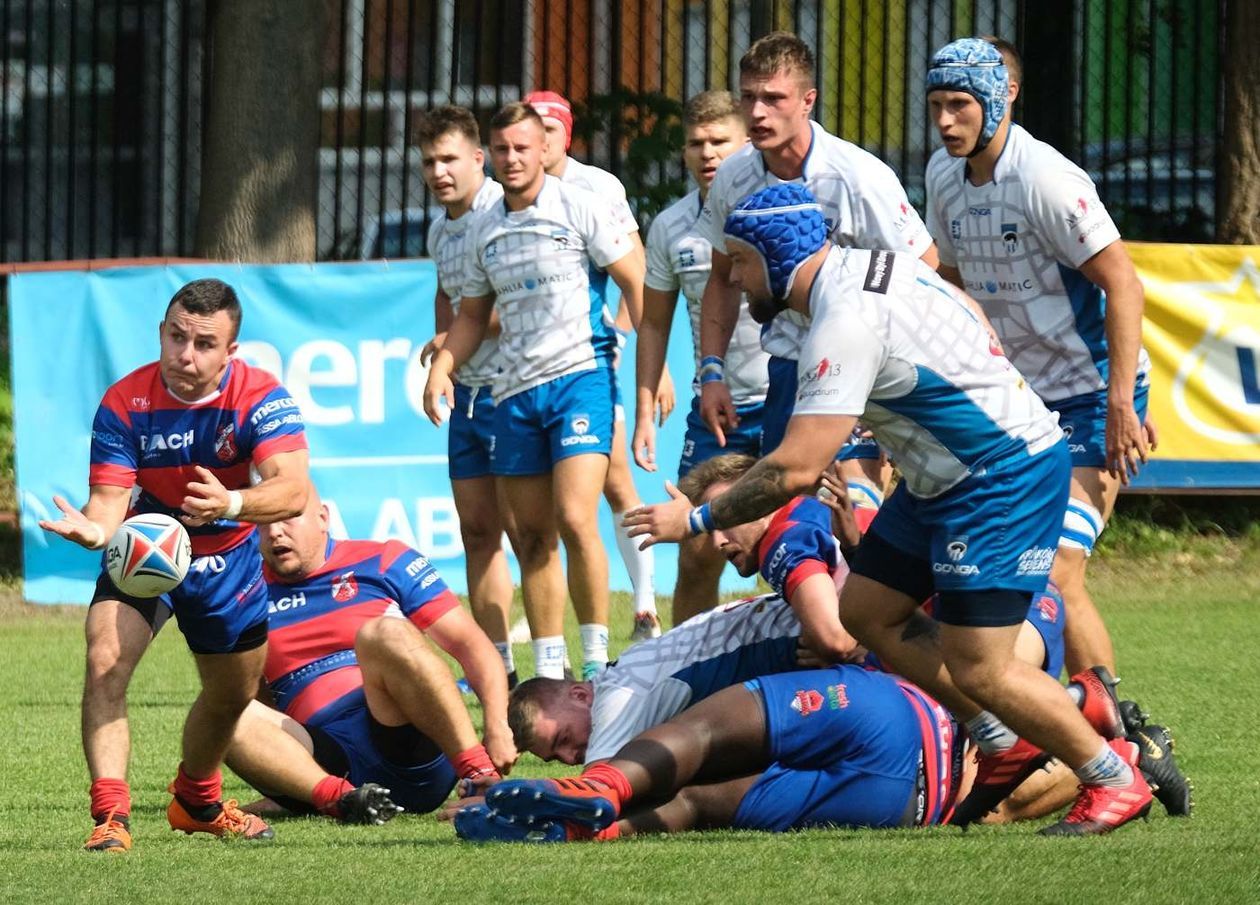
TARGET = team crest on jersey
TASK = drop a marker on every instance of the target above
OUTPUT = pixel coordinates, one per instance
(955, 229)
(561, 239)
(141, 403)
(345, 587)
(837, 697)
(492, 250)
(686, 258)
(807, 702)
(1010, 235)
(225, 443)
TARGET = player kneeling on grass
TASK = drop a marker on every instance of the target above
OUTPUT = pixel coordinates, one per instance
(367, 713)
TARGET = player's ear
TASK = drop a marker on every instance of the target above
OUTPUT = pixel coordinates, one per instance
(581, 692)
(1012, 93)
(810, 97)
(232, 347)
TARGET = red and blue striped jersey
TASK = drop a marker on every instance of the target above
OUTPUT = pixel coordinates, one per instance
(313, 621)
(143, 435)
(798, 543)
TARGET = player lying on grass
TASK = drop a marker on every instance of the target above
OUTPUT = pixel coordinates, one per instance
(367, 714)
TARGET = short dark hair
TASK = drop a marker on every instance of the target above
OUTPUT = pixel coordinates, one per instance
(208, 297)
(445, 119)
(526, 701)
(779, 51)
(709, 107)
(1010, 56)
(724, 469)
(513, 113)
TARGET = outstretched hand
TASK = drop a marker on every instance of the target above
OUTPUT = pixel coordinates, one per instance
(661, 522)
(74, 526)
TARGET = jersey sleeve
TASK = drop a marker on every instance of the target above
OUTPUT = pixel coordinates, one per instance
(421, 593)
(660, 272)
(275, 425)
(793, 551)
(884, 217)
(717, 207)
(607, 241)
(430, 244)
(839, 362)
(114, 456)
(936, 225)
(1066, 212)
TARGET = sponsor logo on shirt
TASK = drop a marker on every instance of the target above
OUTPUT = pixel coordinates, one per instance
(345, 587)
(276, 423)
(492, 250)
(979, 211)
(824, 368)
(286, 603)
(1037, 561)
(416, 566)
(428, 580)
(108, 438)
(1047, 609)
(879, 272)
(161, 442)
(1067, 435)
(807, 702)
(269, 408)
(837, 697)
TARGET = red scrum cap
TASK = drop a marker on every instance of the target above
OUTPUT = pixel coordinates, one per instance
(553, 106)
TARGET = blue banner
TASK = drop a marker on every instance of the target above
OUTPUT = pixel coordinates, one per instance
(345, 339)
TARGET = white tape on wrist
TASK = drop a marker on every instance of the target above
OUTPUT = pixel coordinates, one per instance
(235, 502)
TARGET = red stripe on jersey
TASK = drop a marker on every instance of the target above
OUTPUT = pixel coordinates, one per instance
(111, 475)
(434, 609)
(281, 444)
(391, 551)
(323, 690)
(801, 572)
(293, 646)
(779, 522)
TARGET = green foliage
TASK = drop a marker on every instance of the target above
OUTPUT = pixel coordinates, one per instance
(648, 127)
(1147, 525)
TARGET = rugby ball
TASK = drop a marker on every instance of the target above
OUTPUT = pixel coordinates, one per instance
(148, 555)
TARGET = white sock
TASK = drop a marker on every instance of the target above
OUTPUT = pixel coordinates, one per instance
(505, 651)
(641, 564)
(549, 656)
(594, 643)
(1106, 768)
(990, 734)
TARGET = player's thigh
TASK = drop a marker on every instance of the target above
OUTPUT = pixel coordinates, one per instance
(259, 718)
(577, 483)
(117, 636)
(1097, 487)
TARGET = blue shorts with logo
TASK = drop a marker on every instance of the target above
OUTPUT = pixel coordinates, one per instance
(470, 442)
(419, 788)
(996, 530)
(845, 744)
(1084, 422)
(221, 605)
(700, 444)
(780, 403)
(568, 416)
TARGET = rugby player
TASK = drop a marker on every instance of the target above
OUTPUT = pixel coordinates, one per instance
(184, 433)
(452, 164)
(985, 481)
(619, 489)
(1022, 229)
(366, 713)
(678, 260)
(864, 205)
(531, 261)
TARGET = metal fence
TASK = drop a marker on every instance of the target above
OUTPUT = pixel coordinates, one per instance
(102, 101)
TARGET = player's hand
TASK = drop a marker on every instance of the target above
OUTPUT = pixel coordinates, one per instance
(74, 526)
(662, 522)
(431, 348)
(1126, 442)
(205, 500)
(1152, 432)
(666, 399)
(448, 810)
(438, 387)
(502, 750)
(643, 443)
(833, 493)
(717, 410)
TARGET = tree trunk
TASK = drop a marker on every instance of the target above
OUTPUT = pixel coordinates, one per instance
(259, 180)
(1238, 165)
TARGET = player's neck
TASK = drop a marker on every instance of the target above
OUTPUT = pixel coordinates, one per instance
(558, 169)
(457, 209)
(518, 200)
(788, 160)
(980, 168)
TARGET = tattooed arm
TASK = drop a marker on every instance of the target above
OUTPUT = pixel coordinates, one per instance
(809, 446)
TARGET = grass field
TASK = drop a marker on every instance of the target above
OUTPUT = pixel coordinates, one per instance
(1188, 639)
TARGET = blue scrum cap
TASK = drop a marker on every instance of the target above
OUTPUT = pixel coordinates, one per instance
(975, 66)
(785, 224)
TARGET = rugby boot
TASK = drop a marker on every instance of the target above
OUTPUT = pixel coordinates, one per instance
(585, 803)
(1133, 715)
(1100, 809)
(997, 776)
(230, 822)
(368, 804)
(1155, 759)
(111, 835)
(1099, 704)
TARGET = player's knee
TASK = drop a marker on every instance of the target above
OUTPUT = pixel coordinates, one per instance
(481, 536)
(382, 639)
(534, 546)
(108, 671)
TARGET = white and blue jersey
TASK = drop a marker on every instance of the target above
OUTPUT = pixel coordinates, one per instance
(537, 263)
(1019, 242)
(449, 248)
(895, 346)
(657, 679)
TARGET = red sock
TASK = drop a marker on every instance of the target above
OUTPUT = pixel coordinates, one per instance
(473, 763)
(198, 793)
(327, 793)
(616, 782)
(110, 796)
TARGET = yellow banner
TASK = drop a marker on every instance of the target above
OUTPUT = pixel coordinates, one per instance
(1202, 331)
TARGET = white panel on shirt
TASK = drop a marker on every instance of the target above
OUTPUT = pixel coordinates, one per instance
(1009, 239)
(536, 263)
(679, 257)
(884, 325)
(861, 197)
(640, 690)
(602, 184)
(448, 246)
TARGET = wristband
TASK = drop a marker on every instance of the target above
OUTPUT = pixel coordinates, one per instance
(100, 537)
(235, 502)
(711, 377)
(701, 520)
(711, 368)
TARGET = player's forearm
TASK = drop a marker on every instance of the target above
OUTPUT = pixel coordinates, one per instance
(816, 605)
(274, 499)
(465, 336)
(483, 667)
(767, 485)
(107, 507)
(653, 343)
(1125, 305)
(719, 312)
